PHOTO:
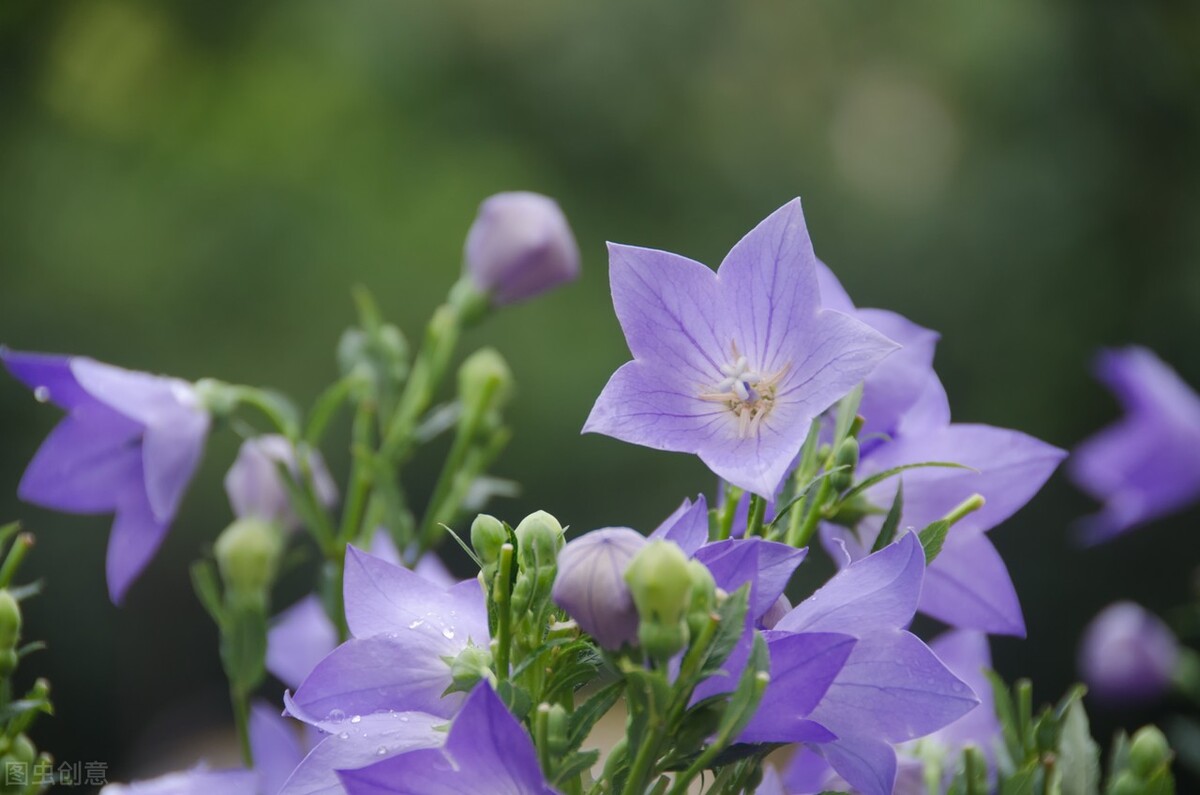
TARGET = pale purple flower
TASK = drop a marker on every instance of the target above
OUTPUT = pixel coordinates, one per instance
(1146, 465)
(303, 634)
(590, 584)
(255, 488)
(687, 526)
(402, 626)
(907, 421)
(520, 245)
(892, 688)
(1128, 655)
(129, 445)
(487, 751)
(734, 365)
(766, 565)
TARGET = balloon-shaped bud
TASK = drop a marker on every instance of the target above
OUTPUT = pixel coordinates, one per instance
(1128, 655)
(487, 536)
(590, 585)
(10, 633)
(661, 583)
(255, 485)
(539, 538)
(484, 380)
(520, 245)
(248, 553)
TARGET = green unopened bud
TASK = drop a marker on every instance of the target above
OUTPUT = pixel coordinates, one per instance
(664, 640)
(558, 729)
(704, 596)
(248, 553)
(539, 538)
(661, 584)
(1126, 783)
(1148, 752)
(487, 536)
(382, 352)
(10, 633)
(470, 666)
(847, 456)
(484, 380)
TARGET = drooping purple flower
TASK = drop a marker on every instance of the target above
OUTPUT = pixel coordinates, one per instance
(1146, 465)
(1128, 655)
(892, 688)
(590, 584)
(520, 245)
(302, 635)
(487, 751)
(734, 365)
(129, 445)
(402, 626)
(907, 421)
(255, 488)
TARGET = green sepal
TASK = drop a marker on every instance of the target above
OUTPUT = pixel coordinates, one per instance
(732, 614)
(891, 523)
(879, 477)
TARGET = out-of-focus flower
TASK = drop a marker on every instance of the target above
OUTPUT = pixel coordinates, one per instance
(520, 245)
(590, 584)
(129, 445)
(1127, 655)
(486, 751)
(734, 365)
(1147, 465)
(254, 486)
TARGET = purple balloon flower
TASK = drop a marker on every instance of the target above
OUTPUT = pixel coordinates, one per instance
(402, 626)
(1147, 465)
(734, 365)
(968, 584)
(487, 751)
(1128, 655)
(519, 246)
(590, 584)
(892, 688)
(129, 445)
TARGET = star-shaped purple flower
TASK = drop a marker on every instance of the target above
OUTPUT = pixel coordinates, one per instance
(129, 445)
(1147, 465)
(734, 365)
(487, 751)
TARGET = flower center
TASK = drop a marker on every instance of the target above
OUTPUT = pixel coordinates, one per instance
(747, 393)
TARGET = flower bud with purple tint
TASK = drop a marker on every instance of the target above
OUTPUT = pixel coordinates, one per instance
(255, 488)
(1127, 655)
(520, 245)
(591, 587)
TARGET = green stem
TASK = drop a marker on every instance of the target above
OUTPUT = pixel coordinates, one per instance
(12, 561)
(722, 741)
(541, 737)
(641, 769)
(728, 511)
(441, 337)
(502, 596)
(754, 522)
(362, 474)
(241, 718)
(812, 516)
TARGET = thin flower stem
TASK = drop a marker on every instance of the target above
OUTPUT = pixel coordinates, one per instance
(241, 718)
(812, 515)
(684, 779)
(541, 736)
(502, 596)
(754, 522)
(12, 561)
(728, 512)
(362, 475)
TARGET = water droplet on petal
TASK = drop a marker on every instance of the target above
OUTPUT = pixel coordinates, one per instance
(356, 719)
(382, 750)
(416, 623)
(335, 716)
(41, 394)
(345, 735)
(448, 633)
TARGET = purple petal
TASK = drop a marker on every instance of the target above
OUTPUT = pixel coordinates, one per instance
(383, 598)
(639, 406)
(198, 781)
(879, 592)
(487, 751)
(1145, 383)
(170, 454)
(893, 688)
(1010, 467)
(901, 379)
(85, 464)
(354, 745)
(833, 294)
(929, 412)
(772, 783)
(967, 656)
(687, 526)
(405, 673)
(807, 773)
(769, 285)
(868, 765)
(766, 565)
(275, 746)
(968, 586)
(135, 538)
(298, 639)
(668, 308)
(803, 666)
(142, 397)
(48, 376)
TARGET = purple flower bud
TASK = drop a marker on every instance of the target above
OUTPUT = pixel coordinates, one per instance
(591, 586)
(254, 486)
(519, 246)
(1127, 655)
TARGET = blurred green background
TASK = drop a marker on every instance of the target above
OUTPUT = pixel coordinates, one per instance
(192, 188)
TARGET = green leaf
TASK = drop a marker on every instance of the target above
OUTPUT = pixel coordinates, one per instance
(744, 701)
(892, 522)
(573, 764)
(585, 717)
(729, 631)
(803, 492)
(1006, 714)
(847, 410)
(933, 538)
(1078, 754)
(204, 581)
(879, 477)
